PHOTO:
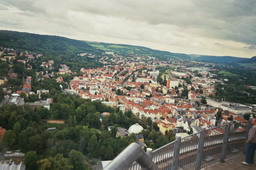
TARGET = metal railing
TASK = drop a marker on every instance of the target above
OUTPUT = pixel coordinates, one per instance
(193, 152)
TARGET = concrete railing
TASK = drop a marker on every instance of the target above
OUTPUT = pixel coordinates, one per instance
(132, 153)
(193, 152)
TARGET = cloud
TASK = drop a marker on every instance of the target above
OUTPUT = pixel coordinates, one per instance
(251, 47)
(190, 26)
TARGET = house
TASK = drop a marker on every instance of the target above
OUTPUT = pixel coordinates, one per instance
(16, 99)
(121, 132)
(2, 81)
(12, 75)
(42, 91)
(172, 84)
(166, 125)
(42, 103)
(26, 87)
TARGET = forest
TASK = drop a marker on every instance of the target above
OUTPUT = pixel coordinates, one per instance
(84, 135)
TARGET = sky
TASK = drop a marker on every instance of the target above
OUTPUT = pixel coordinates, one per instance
(208, 27)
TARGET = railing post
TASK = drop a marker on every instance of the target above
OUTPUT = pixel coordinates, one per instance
(199, 155)
(149, 153)
(225, 143)
(176, 153)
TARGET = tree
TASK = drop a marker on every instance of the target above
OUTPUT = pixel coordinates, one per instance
(17, 127)
(142, 86)
(203, 101)
(31, 160)
(218, 115)
(65, 146)
(102, 151)
(83, 145)
(93, 120)
(231, 118)
(119, 92)
(43, 112)
(76, 159)
(155, 127)
(1, 94)
(93, 146)
(10, 138)
(109, 152)
(32, 98)
(37, 143)
(55, 163)
(161, 140)
(247, 116)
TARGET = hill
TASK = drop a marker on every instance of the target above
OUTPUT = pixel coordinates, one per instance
(66, 50)
(249, 63)
(129, 50)
(46, 44)
(217, 59)
(60, 49)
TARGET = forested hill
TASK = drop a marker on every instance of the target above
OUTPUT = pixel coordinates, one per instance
(60, 49)
(65, 49)
(46, 44)
(131, 50)
(218, 59)
(55, 45)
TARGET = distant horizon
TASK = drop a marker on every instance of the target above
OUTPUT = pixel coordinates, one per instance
(125, 44)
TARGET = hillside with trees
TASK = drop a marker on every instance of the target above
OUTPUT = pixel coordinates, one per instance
(131, 50)
(59, 49)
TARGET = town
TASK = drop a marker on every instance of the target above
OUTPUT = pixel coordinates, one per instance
(175, 95)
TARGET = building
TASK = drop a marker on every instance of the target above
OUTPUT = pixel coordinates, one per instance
(42, 103)
(135, 129)
(10, 165)
(16, 99)
(172, 84)
(121, 132)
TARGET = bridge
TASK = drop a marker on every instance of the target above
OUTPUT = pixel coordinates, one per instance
(198, 151)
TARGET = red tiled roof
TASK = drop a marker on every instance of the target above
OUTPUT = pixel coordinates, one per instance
(27, 86)
(239, 119)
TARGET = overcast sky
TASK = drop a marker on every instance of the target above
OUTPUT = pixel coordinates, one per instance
(212, 27)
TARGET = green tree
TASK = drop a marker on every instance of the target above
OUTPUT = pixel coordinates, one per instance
(203, 101)
(10, 139)
(93, 120)
(76, 159)
(65, 146)
(17, 127)
(31, 160)
(55, 163)
(93, 146)
(247, 116)
(109, 152)
(231, 118)
(161, 140)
